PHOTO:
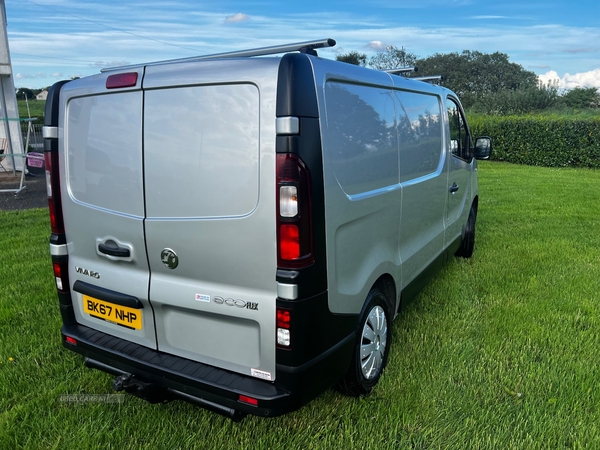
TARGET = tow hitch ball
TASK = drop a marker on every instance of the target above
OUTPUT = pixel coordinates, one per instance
(147, 391)
(121, 382)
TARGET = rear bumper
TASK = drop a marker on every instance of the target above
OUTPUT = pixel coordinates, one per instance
(207, 386)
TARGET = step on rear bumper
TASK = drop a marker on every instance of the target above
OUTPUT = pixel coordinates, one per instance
(209, 387)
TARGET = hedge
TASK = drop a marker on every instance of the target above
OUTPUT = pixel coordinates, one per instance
(541, 140)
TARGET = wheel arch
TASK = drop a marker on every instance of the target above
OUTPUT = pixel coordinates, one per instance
(388, 286)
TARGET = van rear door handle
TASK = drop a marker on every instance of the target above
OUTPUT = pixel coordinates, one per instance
(453, 188)
(114, 250)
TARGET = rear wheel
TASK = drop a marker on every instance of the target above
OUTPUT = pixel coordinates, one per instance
(468, 241)
(371, 349)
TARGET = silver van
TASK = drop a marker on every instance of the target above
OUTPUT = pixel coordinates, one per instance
(239, 231)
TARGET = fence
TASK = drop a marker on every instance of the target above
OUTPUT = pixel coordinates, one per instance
(36, 141)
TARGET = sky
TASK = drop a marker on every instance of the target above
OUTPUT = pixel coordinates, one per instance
(51, 40)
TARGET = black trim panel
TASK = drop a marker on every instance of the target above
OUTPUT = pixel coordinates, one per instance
(296, 95)
(107, 295)
(58, 239)
(314, 329)
(52, 103)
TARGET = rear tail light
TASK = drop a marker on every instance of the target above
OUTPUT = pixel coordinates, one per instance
(61, 276)
(59, 263)
(284, 335)
(294, 221)
(53, 191)
(71, 340)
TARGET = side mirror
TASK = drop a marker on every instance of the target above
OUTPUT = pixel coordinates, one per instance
(483, 147)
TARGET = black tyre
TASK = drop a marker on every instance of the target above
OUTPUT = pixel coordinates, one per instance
(373, 337)
(468, 241)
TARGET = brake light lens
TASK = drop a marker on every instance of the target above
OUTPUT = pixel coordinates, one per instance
(289, 241)
(294, 214)
(283, 318)
(121, 80)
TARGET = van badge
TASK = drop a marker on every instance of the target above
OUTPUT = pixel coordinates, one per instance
(169, 258)
(236, 302)
(89, 273)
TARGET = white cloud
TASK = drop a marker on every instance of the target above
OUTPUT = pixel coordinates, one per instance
(103, 64)
(488, 17)
(239, 17)
(24, 76)
(378, 46)
(568, 81)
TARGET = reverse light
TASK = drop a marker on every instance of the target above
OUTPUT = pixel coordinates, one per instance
(288, 201)
(283, 337)
(284, 320)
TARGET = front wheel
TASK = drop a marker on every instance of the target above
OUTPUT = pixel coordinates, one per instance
(371, 349)
(468, 241)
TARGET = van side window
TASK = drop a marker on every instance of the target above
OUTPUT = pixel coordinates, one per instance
(419, 133)
(460, 144)
(362, 139)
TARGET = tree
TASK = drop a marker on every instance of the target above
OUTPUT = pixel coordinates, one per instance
(392, 58)
(582, 98)
(23, 93)
(474, 75)
(358, 59)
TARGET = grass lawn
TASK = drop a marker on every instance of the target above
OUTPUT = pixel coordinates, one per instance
(500, 351)
(36, 109)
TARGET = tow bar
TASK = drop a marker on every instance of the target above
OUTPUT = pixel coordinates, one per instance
(146, 391)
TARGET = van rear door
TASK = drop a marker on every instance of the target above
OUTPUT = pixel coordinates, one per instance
(209, 152)
(103, 205)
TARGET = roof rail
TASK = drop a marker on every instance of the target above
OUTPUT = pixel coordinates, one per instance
(400, 70)
(303, 47)
(429, 78)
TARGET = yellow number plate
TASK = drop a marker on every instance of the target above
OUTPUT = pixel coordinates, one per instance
(121, 315)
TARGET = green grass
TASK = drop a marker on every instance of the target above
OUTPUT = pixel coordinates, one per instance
(36, 109)
(499, 351)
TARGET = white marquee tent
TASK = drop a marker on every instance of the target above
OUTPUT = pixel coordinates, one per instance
(10, 129)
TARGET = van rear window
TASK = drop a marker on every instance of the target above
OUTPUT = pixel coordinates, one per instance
(104, 152)
(201, 150)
